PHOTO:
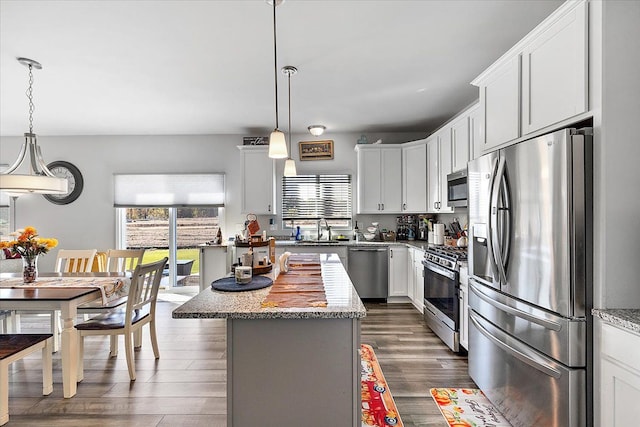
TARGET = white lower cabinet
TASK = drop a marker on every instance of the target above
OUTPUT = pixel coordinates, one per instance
(416, 278)
(215, 263)
(619, 376)
(464, 308)
(398, 271)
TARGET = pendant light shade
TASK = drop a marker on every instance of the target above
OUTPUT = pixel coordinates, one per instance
(290, 164)
(39, 179)
(290, 168)
(277, 145)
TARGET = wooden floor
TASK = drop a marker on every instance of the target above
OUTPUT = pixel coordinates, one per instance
(187, 385)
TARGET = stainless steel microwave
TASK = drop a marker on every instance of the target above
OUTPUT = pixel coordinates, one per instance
(457, 189)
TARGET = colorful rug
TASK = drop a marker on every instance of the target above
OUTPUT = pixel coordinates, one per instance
(467, 407)
(378, 407)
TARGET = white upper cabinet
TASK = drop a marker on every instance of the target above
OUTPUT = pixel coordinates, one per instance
(554, 72)
(500, 103)
(258, 180)
(414, 177)
(440, 163)
(460, 143)
(540, 81)
(475, 132)
(379, 179)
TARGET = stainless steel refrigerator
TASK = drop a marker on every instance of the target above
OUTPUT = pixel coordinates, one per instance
(530, 287)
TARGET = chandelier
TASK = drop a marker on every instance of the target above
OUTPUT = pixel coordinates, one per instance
(39, 179)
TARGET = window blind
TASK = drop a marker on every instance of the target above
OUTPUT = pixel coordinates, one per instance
(168, 190)
(316, 196)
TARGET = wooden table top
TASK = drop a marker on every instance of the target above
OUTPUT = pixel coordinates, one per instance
(44, 294)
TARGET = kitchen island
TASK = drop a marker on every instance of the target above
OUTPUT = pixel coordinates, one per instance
(289, 366)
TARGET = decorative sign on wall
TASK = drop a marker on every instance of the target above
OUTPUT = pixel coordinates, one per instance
(255, 140)
(316, 150)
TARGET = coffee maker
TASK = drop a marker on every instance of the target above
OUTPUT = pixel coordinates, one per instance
(406, 227)
(423, 226)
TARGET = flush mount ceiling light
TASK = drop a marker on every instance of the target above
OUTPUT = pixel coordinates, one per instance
(317, 130)
(277, 143)
(39, 179)
(289, 165)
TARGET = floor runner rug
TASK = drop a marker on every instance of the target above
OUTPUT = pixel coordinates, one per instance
(378, 407)
(467, 407)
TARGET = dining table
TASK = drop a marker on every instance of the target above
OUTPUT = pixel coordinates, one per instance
(63, 292)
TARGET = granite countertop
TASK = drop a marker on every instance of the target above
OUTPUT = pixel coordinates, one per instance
(628, 318)
(343, 301)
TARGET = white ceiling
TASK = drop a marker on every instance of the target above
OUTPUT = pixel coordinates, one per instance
(206, 67)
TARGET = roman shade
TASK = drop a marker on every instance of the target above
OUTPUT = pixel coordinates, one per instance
(168, 190)
(316, 196)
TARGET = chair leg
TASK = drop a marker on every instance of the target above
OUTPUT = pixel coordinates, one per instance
(137, 339)
(80, 372)
(128, 347)
(154, 339)
(47, 368)
(16, 323)
(113, 348)
(56, 329)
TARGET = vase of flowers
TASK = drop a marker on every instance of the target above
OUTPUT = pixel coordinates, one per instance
(29, 245)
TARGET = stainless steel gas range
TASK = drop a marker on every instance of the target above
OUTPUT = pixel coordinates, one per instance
(442, 292)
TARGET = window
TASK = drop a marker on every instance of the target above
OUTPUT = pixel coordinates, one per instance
(308, 198)
(169, 215)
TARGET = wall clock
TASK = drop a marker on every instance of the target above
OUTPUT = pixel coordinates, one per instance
(72, 174)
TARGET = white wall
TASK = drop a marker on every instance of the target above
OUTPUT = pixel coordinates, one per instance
(90, 221)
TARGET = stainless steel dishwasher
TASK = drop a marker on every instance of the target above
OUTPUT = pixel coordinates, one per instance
(369, 271)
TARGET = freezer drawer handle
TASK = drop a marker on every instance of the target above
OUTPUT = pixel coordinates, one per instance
(518, 313)
(531, 360)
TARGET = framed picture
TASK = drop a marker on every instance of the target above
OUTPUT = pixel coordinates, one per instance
(316, 150)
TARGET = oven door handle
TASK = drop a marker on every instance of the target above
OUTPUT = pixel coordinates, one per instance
(525, 355)
(439, 270)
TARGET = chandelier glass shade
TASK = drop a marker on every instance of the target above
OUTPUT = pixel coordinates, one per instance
(39, 179)
(290, 164)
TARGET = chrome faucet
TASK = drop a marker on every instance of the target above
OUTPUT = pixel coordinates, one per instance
(319, 230)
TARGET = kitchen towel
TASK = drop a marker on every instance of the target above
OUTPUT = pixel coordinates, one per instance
(467, 407)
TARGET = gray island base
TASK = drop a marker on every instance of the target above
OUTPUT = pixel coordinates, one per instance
(290, 366)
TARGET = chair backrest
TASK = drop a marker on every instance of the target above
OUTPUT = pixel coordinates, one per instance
(75, 260)
(122, 260)
(143, 291)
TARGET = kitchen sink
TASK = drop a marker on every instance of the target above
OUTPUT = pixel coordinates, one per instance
(320, 242)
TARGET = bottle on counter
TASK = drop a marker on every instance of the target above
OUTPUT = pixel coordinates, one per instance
(298, 234)
(355, 232)
(218, 238)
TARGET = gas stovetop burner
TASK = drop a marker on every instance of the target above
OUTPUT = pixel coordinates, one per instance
(447, 256)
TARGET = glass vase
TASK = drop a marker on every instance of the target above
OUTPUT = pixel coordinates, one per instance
(30, 268)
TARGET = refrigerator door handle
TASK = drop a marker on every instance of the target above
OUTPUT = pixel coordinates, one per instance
(504, 229)
(547, 324)
(522, 353)
(493, 221)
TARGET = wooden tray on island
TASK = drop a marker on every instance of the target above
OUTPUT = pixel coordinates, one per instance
(255, 270)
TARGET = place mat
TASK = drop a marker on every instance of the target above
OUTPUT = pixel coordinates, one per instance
(110, 288)
(467, 407)
(228, 284)
(378, 407)
(300, 287)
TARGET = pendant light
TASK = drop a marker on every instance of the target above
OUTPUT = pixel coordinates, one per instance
(40, 179)
(289, 165)
(277, 143)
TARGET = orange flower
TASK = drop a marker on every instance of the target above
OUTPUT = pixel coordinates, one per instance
(28, 244)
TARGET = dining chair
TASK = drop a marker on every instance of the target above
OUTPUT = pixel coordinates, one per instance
(122, 260)
(75, 260)
(139, 311)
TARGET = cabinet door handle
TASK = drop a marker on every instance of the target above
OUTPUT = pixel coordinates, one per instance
(434, 205)
(383, 206)
(404, 206)
(390, 253)
(269, 208)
